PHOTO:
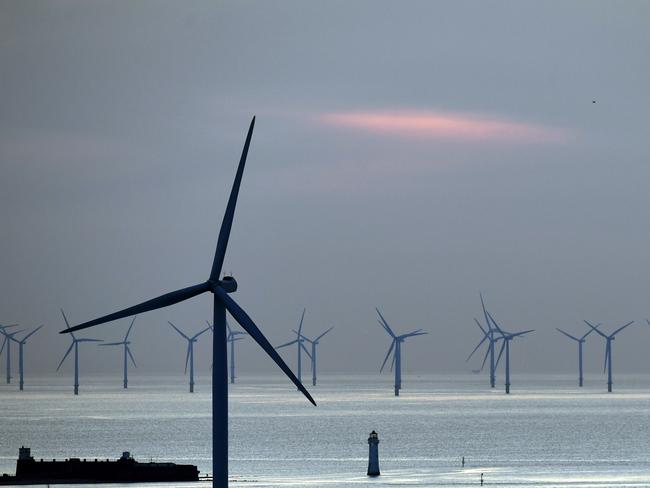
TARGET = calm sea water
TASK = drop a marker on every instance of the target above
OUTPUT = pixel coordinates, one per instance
(547, 433)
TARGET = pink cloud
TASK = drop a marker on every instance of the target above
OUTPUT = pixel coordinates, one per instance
(443, 125)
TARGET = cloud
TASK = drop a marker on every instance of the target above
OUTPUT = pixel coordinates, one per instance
(452, 126)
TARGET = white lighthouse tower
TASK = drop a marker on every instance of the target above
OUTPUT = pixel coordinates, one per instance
(373, 454)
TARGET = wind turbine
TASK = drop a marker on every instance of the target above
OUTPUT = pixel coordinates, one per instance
(220, 288)
(21, 344)
(608, 350)
(490, 336)
(580, 342)
(127, 352)
(190, 351)
(299, 341)
(75, 343)
(9, 336)
(232, 338)
(507, 337)
(397, 345)
(314, 343)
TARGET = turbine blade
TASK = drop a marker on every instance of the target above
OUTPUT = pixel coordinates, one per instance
(90, 340)
(287, 344)
(487, 352)
(111, 344)
(595, 329)
(153, 304)
(320, 336)
(481, 327)
(178, 330)
(249, 326)
(476, 348)
(305, 350)
(392, 363)
(390, 349)
(65, 355)
(31, 333)
(67, 323)
(130, 327)
(607, 346)
(226, 223)
(485, 312)
(128, 351)
(197, 335)
(301, 336)
(569, 335)
(228, 329)
(503, 346)
(620, 329)
(187, 356)
(3, 345)
(590, 331)
(413, 334)
(301, 320)
(494, 322)
(385, 324)
(519, 334)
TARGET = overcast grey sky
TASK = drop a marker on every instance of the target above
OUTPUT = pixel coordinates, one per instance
(407, 155)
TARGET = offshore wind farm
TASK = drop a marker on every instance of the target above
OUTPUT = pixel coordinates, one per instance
(456, 192)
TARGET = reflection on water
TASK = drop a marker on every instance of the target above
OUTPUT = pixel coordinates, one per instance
(547, 433)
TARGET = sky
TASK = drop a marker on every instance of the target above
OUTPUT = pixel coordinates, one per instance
(406, 155)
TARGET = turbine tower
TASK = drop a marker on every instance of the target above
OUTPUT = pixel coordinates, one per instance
(231, 338)
(9, 336)
(221, 290)
(21, 345)
(608, 350)
(75, 344)
(190, 351)
(127, 352)
(507, 337)
(580, 342)
(300, 345)
(314, 343)
(397, 345)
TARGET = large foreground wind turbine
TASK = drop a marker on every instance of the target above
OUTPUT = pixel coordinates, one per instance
(507, 337)
(127, 352)
(314, 343)
(580, 341)
(221, 289)
(300, 345)
(190, 351)
(75, 344)
(397, 345)
(231, 338)
(9, 336)
(21, 345)
(608, 350)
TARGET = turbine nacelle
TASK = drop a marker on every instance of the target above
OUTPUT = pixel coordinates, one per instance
(227, 284)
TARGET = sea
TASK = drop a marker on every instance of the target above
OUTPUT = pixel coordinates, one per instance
(546, 433)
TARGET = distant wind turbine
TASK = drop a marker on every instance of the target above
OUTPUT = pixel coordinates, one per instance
(127, 352)
(75, 344)
(300, 345)
(492, 337)
(232, 337)
(314, 343)
(580, 342)
(190, 351)
(397, 355)
(608, 350)
(9, 337)
(507, 337)
(221, 290)
(21, 345)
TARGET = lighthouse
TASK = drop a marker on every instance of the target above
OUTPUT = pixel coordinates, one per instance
(373, 454)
